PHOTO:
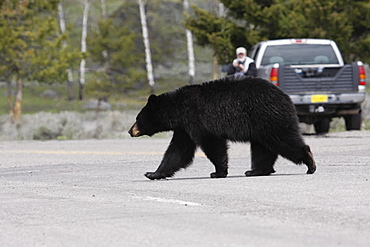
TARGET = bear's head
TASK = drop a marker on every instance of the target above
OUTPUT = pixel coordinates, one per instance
(147, 121)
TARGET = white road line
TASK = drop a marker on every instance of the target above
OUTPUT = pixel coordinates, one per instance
(164, 200)
(200, 154)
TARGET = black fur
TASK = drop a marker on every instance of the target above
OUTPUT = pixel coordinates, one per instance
(210, 114)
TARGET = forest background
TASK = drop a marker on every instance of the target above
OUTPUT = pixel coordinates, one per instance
(36, 51)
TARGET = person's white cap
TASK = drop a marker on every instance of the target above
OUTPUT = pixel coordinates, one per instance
(241, 50)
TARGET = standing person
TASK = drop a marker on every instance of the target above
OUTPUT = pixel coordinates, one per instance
(242, 65)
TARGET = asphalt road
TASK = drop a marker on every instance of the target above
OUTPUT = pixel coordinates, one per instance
(93, 193)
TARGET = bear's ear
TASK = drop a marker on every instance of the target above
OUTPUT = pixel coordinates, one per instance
(152, 99)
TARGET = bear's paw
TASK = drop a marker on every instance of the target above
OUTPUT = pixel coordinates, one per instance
(154, 175)
(218, 175)
(258, 173)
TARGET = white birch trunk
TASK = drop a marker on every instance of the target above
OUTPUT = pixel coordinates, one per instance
(148, 56)
(104, 16)
(221, 10)
(83, 45)
(62, 24)
(103, 9)
(221, 13)
(189, 40)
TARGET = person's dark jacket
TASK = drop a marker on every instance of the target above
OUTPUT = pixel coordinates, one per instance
(252, 70)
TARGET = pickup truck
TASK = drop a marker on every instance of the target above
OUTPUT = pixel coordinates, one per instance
(312, 72)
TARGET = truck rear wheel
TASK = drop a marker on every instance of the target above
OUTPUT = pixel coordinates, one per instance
(353, 122)
(322, 126)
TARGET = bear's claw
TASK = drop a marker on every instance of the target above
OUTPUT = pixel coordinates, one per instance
(311, 170)
(258, 173)
(218, 175)
(310, 162)
(154, 175)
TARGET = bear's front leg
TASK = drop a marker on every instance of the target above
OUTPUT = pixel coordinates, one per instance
(215, 148)
(179, 154)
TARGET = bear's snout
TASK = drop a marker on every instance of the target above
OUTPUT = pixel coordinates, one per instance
(134, 131)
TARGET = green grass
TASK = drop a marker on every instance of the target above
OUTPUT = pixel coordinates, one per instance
(34, 102)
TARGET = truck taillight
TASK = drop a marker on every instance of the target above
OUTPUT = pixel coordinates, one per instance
(274, 74)
(362, 74)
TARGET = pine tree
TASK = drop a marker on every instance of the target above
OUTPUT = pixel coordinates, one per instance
(250, 21)
(31, 46)
(119, 67)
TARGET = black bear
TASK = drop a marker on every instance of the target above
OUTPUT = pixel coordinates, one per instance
(209, 115)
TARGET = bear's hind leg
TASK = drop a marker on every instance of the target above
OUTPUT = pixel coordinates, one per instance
(309, 160)
(179, 154)
(300, 153)
(215, 149)
(263, 160)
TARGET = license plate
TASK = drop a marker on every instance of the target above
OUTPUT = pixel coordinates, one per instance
(319, 98)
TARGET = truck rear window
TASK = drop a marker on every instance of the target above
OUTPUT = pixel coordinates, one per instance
(299, 54)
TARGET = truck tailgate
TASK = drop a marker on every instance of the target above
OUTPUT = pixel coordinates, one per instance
(319, 80)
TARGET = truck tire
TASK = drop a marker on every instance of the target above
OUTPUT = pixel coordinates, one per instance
(353, 122)
(322, 126)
